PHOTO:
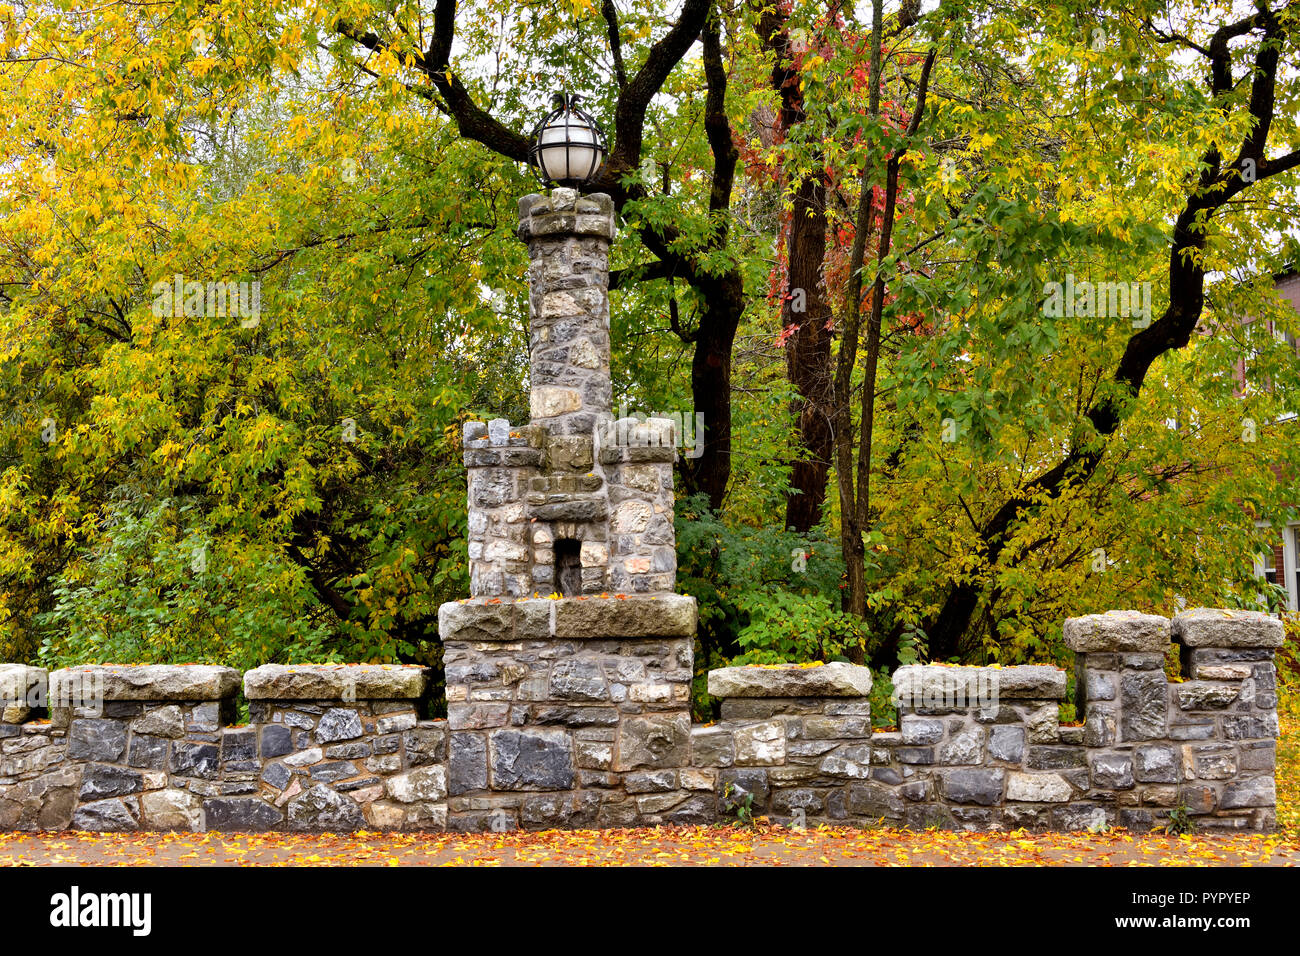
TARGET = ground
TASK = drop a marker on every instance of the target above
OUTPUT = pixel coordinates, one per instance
(671, 846)
(727, 846)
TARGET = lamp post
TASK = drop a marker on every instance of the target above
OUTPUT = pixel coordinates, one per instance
(569, 146)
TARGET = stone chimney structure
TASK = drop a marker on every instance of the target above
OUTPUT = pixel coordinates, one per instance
(573, 502)
(569, 667)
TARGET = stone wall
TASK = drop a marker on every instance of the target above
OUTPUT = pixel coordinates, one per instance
(575, 713)
(155, 748)
(983, 748)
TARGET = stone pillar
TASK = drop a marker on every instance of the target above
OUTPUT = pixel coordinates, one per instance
(1226, 712)
(38, 789)
(568, 239)
(570, 712)
(1120, 688)
(573, 503)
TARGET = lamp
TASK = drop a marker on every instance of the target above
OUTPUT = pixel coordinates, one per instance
(568, 145)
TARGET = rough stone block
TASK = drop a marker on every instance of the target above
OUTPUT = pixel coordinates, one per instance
(343, 682)
(1155, 763)
(665, 615)
(827, 680)
(981, 787)
(1216, 627)
(761, 744)
(654, 740)
(144, 682)
(1143, 699)
(1206, 695)
(1251, 792)
(1111, 771)
(530, 759)
(1117, 631)
(241, 814)
(96, 739)
(1038, 788)
(1007, 743)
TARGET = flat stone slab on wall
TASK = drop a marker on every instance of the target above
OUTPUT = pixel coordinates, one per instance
(335, 682)
(1215, 627)
(939, 685)
(146, 682)
(636, 616)
(1117, 631)
(791, 680)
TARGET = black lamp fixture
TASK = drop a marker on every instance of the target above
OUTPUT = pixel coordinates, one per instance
(569, 146)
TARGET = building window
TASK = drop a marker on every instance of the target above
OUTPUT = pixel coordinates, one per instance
(1270, 565)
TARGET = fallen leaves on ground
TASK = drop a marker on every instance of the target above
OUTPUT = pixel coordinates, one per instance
(667, 846)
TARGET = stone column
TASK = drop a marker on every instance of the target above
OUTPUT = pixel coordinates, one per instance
(1120, 687)
(568, 239)
(1226, 712)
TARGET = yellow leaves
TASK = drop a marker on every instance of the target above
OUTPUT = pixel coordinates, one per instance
(662, 846)
(168, 449)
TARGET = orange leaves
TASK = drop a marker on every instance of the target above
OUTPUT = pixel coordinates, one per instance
(764, 844)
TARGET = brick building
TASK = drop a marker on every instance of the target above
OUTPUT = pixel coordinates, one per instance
(1281, 565)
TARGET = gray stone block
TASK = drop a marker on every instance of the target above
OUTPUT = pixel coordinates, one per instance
(146, 682)
(1155, 763)
(96, 739)
(1117, 631)
(982, 787)
(234, 814)
(533, 759)
(1111, 771)
(338, 723)
(107, 815)
(467, 767)
(1143, 705)
(653, 741)
(828, 680)
(665, 615)
(321, 808)
(1007, 744)
(1251, 792)
(1220, 628)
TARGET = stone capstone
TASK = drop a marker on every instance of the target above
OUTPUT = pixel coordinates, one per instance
(828, 680)
(345, 682)
(145, 682)
(1117, 631)
(1216, 627)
